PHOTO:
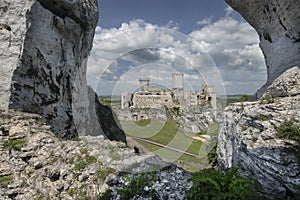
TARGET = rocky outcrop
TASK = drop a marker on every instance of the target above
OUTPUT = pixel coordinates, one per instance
(43, 55)
(249, 138)
(278, 26)
(35, 164)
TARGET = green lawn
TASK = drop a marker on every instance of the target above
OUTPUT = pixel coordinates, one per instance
(167, 134)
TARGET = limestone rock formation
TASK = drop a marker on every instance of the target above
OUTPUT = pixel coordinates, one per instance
(278, 26)
(35, 164)
(249, 138)
(43, 55)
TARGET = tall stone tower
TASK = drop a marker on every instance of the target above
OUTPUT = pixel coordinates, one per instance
(177, 80)
(144, 84)
(177, 86)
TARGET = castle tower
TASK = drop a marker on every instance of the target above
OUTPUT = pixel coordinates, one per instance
(177, 80)
(144, 84)
(177, 86)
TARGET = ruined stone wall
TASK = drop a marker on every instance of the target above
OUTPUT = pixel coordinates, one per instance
(152, 100)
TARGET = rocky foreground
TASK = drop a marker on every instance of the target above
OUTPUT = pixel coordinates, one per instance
(35, 164)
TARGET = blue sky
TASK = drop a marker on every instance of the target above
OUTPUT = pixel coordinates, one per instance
(204, 39)
(185, 13)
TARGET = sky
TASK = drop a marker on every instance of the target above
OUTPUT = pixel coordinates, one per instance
(205, 40)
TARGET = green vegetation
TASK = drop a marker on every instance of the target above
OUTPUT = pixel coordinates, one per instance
(175, 111)
(267, 99)
(5, 180)
(211, 184)
(289, 129)
(110, 101)
(15, 144)
(203, 132)
(244, 127)
(171, 136)
(85, 162)
(71, 191)
(212, 156)
(235, 99)
(136, 185)
(102, 173)
(262, 117)
(106, 195)
(143, 122)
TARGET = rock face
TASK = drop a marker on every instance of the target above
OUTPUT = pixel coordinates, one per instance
(35, 164)
(43, 56)
(249, 138)
(278, 26)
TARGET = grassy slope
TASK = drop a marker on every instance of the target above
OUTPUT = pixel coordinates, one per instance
(169, 135)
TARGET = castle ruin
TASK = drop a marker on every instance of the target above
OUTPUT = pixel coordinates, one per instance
(150, 96)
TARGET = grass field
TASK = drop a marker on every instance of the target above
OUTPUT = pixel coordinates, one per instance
(166, 134)
(111, 101)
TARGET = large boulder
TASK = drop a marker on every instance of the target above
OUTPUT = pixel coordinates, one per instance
(43, 59)
(249, 139)
(278, 26)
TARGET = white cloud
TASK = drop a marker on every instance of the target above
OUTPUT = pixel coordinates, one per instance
(231, 44)
(204, 21)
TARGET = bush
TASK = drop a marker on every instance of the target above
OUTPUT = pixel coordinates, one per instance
(289, 129)
(267, 99)
(212, 156)
(12, 143)
(5, 180)
(211, 184)
(84, 163)
(137, 185)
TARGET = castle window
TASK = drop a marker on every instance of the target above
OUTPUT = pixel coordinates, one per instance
(209, 98)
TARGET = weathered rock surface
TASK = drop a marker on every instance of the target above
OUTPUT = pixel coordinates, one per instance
(171, 182)
(248, 139)
(35, 164)
(43, 56)
(288, 84)
(278, 25)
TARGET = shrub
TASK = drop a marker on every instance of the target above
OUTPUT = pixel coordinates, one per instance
(212, 156)
(211, 184)
(267, 99)
(12, 143)
(102, 173)
(289, 129)
(5, 181)
(137, 185)
(84, 163)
